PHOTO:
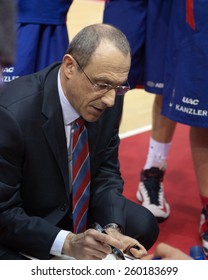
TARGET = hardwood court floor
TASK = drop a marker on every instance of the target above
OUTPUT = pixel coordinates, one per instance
(138, 103)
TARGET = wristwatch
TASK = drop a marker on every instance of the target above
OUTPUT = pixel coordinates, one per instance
(113, 226)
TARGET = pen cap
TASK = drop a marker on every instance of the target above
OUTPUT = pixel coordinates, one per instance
(197, 253)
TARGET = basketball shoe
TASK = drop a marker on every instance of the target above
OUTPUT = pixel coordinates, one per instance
(151, 193)
(203, 230)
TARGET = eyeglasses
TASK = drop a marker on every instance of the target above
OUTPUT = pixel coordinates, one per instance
(104, 88)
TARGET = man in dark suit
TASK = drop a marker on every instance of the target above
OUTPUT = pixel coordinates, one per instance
(36, 114)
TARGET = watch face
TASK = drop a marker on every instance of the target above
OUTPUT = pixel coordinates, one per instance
(114, 226)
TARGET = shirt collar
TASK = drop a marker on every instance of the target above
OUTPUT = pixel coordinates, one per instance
(69, 113)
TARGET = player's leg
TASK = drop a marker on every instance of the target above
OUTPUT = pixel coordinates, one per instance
(151, 189)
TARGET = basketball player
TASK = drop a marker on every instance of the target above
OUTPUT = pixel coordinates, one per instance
(145, 23)
(185, 91)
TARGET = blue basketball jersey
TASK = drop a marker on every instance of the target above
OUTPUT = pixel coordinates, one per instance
(42, 11)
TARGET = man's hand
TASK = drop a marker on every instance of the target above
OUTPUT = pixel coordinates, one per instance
(89, 245)
(130, 245)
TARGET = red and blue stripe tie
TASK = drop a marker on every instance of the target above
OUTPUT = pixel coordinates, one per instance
(80, 176)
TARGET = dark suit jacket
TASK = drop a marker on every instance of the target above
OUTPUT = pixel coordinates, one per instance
(34, 176)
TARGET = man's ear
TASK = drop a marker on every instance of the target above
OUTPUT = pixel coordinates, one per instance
(69, 65)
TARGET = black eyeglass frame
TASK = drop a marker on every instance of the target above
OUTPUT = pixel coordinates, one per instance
(119, 90)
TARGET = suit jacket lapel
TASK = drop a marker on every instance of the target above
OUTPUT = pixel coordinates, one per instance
(54, 126)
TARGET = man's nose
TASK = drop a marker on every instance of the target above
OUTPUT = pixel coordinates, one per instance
(109, 98)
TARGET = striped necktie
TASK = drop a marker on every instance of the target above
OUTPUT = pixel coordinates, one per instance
(80, 176)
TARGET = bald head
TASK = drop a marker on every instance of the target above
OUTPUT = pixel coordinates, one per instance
(86, 42)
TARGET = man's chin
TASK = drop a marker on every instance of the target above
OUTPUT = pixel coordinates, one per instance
(93, 117)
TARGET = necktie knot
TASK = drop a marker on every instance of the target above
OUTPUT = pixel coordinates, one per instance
(79, 131)
(79, 122)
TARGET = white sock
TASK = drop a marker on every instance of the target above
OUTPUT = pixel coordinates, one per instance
(157, 154)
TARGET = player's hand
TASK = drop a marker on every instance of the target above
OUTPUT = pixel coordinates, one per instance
(166, 252)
